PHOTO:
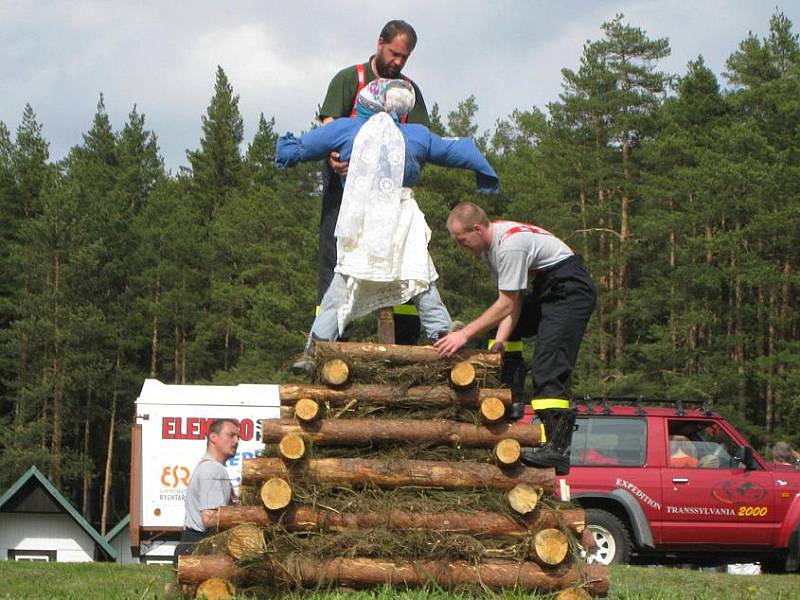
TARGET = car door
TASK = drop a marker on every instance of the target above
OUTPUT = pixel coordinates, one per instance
(708, 495)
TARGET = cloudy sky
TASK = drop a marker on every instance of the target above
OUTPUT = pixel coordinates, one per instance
(161, 55)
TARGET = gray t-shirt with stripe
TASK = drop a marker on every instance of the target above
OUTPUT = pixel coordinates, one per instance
(518, 250)
(209, 487)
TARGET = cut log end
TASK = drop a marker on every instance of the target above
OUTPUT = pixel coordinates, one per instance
(492, 409)
(523, 498)
(307, 410)
(551, 546)
(335, 372)
(573, 594)
(462, 375)
(216, 589)
(292, 446)
(246, 541)
(276, 494)
(507, 452)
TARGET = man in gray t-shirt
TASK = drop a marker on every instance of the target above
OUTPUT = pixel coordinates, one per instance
(544, 290)
(210, 485)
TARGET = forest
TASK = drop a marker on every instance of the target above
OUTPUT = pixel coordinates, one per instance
(681, 191)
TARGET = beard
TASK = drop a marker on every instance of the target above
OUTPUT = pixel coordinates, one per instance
(384, 70)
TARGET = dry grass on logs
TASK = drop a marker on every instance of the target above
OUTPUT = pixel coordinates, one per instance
(409, 545)
(404, 406)
(415, 374)
(378, 542)
(417, 500)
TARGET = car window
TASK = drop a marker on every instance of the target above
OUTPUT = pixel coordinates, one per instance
(702, 444)
(609, 441)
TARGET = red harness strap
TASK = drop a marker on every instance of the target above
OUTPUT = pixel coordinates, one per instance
(522, 228)
(362, 82)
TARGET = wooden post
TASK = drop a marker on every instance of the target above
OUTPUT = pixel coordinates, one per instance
(386, 325)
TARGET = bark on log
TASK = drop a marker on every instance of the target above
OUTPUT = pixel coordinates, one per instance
(587, 540)
(364, 432)
(216, 589)
(404, 355)
(492, 524)
(195, 569)
(363, 572)
(335, 372)
(378, 395)
(400, 473)
(551, 546)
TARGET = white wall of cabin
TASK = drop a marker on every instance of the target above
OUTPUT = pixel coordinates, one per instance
(59, 532)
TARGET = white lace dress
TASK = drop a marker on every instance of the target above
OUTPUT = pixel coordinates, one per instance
(381, 235)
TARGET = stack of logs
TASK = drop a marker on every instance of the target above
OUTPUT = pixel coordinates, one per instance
(339, 436)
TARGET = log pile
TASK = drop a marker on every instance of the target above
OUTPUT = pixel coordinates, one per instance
(399, 469)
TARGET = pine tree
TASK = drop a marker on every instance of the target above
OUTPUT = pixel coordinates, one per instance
(766, 75)
(260, 157)
(217, 166)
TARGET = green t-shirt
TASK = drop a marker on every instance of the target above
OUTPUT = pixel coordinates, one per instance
(342, 93)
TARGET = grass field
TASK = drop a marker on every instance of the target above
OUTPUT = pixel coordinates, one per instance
(104, 581)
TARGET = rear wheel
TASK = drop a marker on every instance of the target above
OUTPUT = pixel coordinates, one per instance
(611, 537)
(774, 564)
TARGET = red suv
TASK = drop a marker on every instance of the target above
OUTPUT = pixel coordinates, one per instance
(661, 479)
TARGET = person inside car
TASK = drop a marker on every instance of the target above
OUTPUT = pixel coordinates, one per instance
(785, 457)
(682, 452)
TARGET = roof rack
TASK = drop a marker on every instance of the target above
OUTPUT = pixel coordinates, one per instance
(639, 402)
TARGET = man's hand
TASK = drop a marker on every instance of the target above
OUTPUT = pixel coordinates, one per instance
(210, 518)
(498, 346)
(339, 166)
(451, 343)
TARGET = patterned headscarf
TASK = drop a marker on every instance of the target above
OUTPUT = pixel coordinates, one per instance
(393, 96)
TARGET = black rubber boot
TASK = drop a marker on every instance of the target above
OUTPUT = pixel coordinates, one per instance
(558, 426)
(513, 375)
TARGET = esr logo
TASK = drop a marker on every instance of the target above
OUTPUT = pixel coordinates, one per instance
(171, 476)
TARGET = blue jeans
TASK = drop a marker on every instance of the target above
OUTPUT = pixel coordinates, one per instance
(432, 312)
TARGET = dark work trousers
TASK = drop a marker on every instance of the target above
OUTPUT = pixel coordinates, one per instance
(406, 327)
(556, 311)
(513, 371)
(189, 539)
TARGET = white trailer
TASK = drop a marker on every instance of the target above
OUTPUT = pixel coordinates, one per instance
(168, 440)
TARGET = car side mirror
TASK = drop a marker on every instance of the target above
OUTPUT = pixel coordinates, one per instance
(744, 455)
